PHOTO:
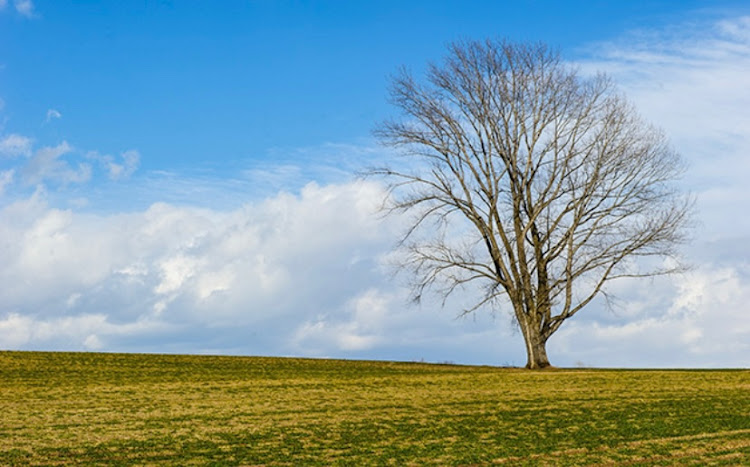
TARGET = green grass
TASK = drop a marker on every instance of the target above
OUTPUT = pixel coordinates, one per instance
(114, 409)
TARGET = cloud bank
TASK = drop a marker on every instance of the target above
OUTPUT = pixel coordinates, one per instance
(205, 267)
(290, 275)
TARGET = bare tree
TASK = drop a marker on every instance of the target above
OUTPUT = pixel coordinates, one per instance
(540, 184)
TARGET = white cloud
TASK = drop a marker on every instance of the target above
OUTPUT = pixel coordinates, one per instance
(14, 145)
(3, 4)
(52, 114)
(361, 328)
(289, 275)
(695, 84)
(46, 165)
(81, 332)
(6, 178)
(302, 275)
(92, 342)
(275, 261)
(15, 331)
(61, 164)
(118, 169)
(24, 8)
(130, 161)
(705, 325)
(692, 81)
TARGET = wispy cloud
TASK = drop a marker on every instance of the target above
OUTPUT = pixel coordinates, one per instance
(47, 165)
(52, 114)
(15, 145)
(118, 168)
(6, 178)
(692, 81)
(24, 8)
(62, 164)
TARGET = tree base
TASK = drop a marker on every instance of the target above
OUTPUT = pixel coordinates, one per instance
(541, 368)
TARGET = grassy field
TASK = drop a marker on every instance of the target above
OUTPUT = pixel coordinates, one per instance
(114, 409)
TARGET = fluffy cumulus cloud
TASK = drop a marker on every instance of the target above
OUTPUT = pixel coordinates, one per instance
(360, 328)
(303, 274)
(289, 275)
(179, 267)
(696, 320)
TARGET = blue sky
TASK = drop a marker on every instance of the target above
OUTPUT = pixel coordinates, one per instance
(177, 176)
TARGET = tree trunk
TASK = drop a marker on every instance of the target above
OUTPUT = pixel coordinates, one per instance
(536, 349)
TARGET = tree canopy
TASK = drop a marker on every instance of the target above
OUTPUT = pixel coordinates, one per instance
(554, 181)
